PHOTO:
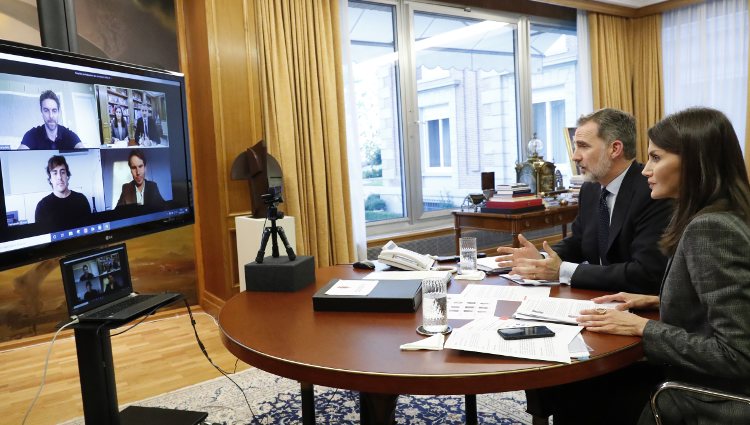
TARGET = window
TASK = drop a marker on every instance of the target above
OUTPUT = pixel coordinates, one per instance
(439, 143)
(464, 70)
(437, 103)
(554, 53)
(376, 82)
(705, 57)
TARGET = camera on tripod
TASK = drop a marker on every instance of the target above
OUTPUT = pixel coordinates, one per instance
(272, 199)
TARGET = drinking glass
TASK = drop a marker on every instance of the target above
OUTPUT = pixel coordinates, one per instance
(468, 255)
(434, 306)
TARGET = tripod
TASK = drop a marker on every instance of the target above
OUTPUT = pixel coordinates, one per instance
(272, 231)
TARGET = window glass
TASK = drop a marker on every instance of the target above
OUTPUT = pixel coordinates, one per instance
(554, 56)
(375, 73)
(466, 98)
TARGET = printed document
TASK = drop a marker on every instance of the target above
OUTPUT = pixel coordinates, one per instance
(352, 287)
(401, 275)
(561, 310)
(481, 336)
(488, 264)
(463, 308)
(516, 278)
(505, 293)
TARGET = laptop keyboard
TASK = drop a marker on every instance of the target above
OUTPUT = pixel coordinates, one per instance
(130, 301)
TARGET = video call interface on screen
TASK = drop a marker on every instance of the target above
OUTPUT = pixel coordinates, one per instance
(86, 150)
(96, 277)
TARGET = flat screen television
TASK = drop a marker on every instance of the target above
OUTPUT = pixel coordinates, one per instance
(92, 152)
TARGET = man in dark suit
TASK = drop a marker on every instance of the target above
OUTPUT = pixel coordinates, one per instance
(146, 130)
(614, 244)
(621, 253)
(140, 191)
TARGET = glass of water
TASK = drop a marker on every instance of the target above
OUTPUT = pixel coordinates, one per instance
(467, 262)
(434, 306)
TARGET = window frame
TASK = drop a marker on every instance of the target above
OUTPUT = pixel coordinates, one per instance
(415, 160)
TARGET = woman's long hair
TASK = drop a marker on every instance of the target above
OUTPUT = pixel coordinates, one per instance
(122, 118)
(712, 176)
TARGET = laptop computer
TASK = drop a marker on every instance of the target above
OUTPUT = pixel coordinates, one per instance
(98, 287)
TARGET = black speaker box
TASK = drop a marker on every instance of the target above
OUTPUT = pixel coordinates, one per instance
(279, 274)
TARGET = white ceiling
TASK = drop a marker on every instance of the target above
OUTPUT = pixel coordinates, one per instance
(632, 3)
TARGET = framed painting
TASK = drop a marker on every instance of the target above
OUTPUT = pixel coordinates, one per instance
(569, 137)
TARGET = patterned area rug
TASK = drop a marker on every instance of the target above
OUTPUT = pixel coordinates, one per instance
(276, 400)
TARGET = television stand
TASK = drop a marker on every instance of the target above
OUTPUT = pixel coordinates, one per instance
(98, 387)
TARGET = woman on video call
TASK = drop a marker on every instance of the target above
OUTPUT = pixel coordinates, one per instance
(119, 127)
(703, 335)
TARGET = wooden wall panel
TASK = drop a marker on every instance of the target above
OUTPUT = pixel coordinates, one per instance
(32, 301)
(219, 56)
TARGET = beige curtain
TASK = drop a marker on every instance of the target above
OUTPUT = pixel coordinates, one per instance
(648, 84)
(626, 69)
(304, 121)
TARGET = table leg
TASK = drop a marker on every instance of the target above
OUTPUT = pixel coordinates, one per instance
(470, 402)
(377, 409)
(308, 403)
(565, 230)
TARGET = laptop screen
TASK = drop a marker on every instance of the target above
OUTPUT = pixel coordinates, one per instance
(95, 277)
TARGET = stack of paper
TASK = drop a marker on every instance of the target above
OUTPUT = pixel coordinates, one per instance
(408, 275)
(506, 293)
(481, 336)
(516, 278)
(489, 264)
(561, 310)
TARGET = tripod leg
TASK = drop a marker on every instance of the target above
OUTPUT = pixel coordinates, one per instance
(263, 243)
(289, 250)
(274, 241)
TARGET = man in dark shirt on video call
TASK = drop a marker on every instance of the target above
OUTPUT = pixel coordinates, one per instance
(51, 135)
(87, 275)
(63, 208)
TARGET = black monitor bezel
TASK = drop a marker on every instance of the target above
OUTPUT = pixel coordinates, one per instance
(32, 254)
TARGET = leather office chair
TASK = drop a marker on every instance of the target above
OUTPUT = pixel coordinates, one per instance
(679, 386)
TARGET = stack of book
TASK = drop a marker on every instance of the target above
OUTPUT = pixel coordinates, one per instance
(512, 190)
(575, 185)
(510, 199)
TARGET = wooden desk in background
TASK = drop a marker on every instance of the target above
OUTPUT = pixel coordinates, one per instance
(515, 223)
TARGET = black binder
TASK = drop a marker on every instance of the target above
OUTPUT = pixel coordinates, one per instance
(399, 296)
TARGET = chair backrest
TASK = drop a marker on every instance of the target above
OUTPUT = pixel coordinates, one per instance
(680, 386)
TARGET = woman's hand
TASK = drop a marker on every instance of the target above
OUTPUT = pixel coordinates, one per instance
(612, 322)
(630, 301)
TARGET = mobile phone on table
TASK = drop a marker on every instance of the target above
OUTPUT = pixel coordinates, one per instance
(525, 333)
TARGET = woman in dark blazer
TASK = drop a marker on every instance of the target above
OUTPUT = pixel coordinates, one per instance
(703, 335)
(119, 127)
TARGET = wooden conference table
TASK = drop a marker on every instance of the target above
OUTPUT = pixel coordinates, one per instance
(280, 333)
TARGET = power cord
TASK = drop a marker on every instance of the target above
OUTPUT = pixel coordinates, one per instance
(44, 373)
(226, 374)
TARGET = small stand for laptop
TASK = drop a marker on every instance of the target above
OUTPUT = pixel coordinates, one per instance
(98, 388)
